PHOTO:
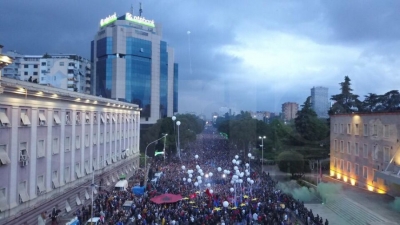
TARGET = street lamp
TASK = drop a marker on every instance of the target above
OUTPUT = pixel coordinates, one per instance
(145, 151)
(262, 153)
(249, 155)
(178, 123)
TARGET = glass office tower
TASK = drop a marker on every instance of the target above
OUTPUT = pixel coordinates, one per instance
(133, 64)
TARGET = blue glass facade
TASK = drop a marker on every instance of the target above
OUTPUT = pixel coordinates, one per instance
(104, 67)
(163, 79)
(138, 73)
(175, 87)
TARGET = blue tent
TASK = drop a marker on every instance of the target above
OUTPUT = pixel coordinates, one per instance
(137, 190)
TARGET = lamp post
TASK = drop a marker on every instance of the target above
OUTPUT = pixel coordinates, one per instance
(178, 123)
(145, 151)
(249, 155)
(262, 153)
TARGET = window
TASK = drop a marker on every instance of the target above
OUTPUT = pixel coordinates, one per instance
(386, 154)
(55, 146)
(68, 117)
(35, 66)
(87, 118)
(78, 142)
(42, 118)
(348, 166)
(94, 118)
(56, 183)
(357, 129)
(94, 164)
(4, 159)
(23, 152)
(24, 118)
(365, 130)
(118, 137)
(112, 136)
(67, 174)
(386, 131)
(375, 131)
(26, 66)
(342, 164)
(113, 118)
(40, 185)
(348, 128)
(341, 146)
(4, 121)
(334, 162)
(61, 63)
(365, 151)
(67, 206)
(108, 118)
(101, 138)
(43, 63)
(335, 129)
(335, 145)
(94, 138)
(365, 172)
(78, 170)
(78, 118)
(41, 149)
(107, 136)
(26, 73)
(87, 140)
(374, 176)
(102, 119)
(56, 117)
(341, 128)
(67, 144)
(101, 162)
(356, 169)
(87, 167)
(35, 73)
(348, 148)
(356, 151)
(22, 192)
(78, 200)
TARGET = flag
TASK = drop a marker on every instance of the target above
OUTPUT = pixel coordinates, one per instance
(208, 193)
(192, 195)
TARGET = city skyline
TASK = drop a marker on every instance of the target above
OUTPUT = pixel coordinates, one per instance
(270, 54)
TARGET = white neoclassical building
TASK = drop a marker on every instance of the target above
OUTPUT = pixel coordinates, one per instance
(53, 140)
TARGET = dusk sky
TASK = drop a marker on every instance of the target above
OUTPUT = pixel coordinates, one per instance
(248, 55)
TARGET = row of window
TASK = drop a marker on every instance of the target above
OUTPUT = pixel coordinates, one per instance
(340, 164)
(34, 66)
(41, 180)
(357, 128)
(41, 146)
(25, 118)
(357, 147)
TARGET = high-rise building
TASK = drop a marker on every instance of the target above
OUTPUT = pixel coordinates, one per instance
(320, 101)
(364, 150)
(289, 110)
(66, 71)
(132, 63)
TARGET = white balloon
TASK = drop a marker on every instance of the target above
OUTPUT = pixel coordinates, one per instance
(236, 156)
(201, 174)
(208, 185)
(219, 169)
(235, 168)
(210, 174)
(198, 177)
(196, 156)
(184, 179)
(232, 181)
(200, 181)
(233, 161)
(247, 165)
(249, 155)
(196, 184)
(241, 175)
(190, 175)
(183, 167)
(252, 182)
(248, 179)
(197, 167)
(231, 189)
(211, 191)
(189, 180)
(225, 204)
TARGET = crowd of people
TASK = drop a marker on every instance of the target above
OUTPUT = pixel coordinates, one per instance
(257, 203)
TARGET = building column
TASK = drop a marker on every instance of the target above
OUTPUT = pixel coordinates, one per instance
(14, 154)
(61, 114)
(91, 141)
(49, 153)
(33, 155)
(83, 142)
(73, 143)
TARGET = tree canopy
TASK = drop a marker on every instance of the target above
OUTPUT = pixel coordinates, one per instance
(346, 101)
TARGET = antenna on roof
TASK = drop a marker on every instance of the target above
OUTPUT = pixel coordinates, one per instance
(131, 9)
(140, 10)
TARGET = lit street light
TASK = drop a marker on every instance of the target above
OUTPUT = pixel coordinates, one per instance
(262, 152)
(178, 123)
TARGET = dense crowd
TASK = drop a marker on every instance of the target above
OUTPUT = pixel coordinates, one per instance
(257, 203)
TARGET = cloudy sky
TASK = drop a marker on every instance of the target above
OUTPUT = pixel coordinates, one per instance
(247, 55)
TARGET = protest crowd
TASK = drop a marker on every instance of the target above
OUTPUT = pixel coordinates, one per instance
(211, 201)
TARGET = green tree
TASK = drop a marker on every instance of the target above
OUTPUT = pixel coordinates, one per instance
(291, 162)
(308, 126)
(346, 101)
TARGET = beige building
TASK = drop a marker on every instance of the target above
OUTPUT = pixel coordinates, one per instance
(364, 150)
(289, 110)
(53, 141)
